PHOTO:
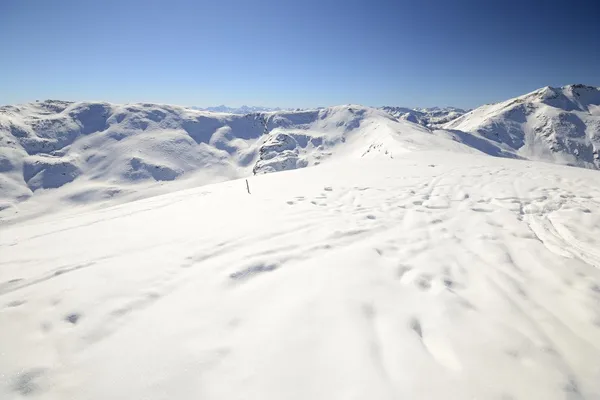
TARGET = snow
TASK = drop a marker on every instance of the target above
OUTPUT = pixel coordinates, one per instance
(406, 262)
(237, 110)
(99, 152)
(434, 117)
(432, 275)
(558, 125)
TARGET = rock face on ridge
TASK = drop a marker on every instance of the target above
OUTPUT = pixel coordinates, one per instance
(560, 125)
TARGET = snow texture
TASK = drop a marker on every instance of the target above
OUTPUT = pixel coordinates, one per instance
(560, 125)
(101, 151)
(237, 110)
(433, 117)
(407, 262)
(434, 276)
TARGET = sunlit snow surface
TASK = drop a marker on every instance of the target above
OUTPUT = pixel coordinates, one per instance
(428, 276)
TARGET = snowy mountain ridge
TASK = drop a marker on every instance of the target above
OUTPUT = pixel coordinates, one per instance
(559, 125)
(433, 117)
(96, 152)
(430, 117)
(237, 110)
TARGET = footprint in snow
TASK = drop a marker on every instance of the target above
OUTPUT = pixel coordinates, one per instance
(481, 209)
(252, 271)
(402, 270)
(448, 282)
(423, 282)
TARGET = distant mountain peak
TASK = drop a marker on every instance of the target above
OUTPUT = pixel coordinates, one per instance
(244, 109)
(432, 117)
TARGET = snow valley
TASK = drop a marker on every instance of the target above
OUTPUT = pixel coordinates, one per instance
(429, 253)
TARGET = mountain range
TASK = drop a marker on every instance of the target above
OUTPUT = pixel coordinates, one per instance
(106, 150)
(237, 110)
(155, 252)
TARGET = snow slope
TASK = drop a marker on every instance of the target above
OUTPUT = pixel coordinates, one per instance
(238, 110)
(434, 275)
(560, 125)
(101, 152)
(433, 117)
(49, 144)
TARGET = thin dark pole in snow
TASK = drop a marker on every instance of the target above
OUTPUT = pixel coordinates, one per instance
(248, 186)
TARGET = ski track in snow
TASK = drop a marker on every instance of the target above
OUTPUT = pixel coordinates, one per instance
(426, 277)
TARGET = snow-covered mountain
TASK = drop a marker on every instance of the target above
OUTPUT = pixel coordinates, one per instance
(433, 117)
(559, 125)
(104, 150)
(237, 110)
(406, 263)
(434, 275)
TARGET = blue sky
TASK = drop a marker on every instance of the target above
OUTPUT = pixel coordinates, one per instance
(294, 53)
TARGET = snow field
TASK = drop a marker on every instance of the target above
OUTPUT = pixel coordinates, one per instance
(433, 275)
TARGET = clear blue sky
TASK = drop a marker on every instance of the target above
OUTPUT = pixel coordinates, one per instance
(295, 53)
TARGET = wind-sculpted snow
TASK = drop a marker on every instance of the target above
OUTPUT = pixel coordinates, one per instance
(417, 275)
(102, 150)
